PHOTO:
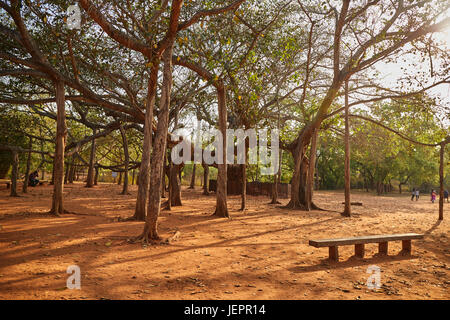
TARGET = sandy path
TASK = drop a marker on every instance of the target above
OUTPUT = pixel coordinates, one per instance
(261, 253)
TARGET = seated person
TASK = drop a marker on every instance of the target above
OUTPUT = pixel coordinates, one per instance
(32, 179)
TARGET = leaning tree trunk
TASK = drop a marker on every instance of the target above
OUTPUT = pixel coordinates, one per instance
(127, 160)
(205, 179)
(157, 160)
(58, 175)
(192, 185)
(27, 171)
(14, 174)
(347, 207)
(221, 194)
(91, 169)
(144, 170)
(441, 182)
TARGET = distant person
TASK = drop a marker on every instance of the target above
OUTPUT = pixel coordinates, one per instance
(413, 194)
(446, 195)
(417, 195)
(433, 196)
(32, 179)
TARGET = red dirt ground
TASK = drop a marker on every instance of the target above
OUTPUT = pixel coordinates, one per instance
(262, 253)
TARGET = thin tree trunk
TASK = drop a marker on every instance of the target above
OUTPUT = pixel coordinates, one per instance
(192, 185)
(27, 171)
(347, 207)
(96, 176)
(58, 175)
(90, 175)
(221, 194)
(244, 179)
(441, 182)
(144, 170)
(52, 180)
(205, 179)
(276, 181)
(127, 160)
(311, 168)
(133, 176)
(14, 174)
(66, 174)
(170, 181)
(157, 163)
(175, 186)
(72, 170)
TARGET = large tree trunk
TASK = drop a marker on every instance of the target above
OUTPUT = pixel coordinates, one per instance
(441, 182)
(27, 171)
(127, 160)
(192, 185)
(205, 179)
(347, 207)
(221, 194)
(58, 175)
(157, 160)
(14, 174)
(144, 171)
(298, 155)
(90, 175)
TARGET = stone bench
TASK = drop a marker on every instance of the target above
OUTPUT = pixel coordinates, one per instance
(359, 243)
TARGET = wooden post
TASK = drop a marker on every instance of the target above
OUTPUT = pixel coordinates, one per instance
(347, 208)
(406, 246)
(333, 253)
(383, 248)
(359, 250)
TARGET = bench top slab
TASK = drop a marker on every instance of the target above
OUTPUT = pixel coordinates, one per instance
(364, 239)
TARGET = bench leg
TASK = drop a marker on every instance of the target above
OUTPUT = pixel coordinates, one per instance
(359, 250)
(333, 253)
(8, 185)
(383, 248)
(406, 246)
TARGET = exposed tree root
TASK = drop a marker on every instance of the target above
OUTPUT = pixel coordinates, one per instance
(294, 205)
